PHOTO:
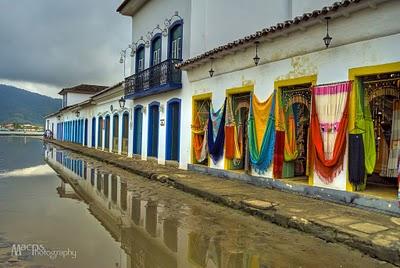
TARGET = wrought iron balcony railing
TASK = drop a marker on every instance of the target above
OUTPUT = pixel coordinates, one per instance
(156, 79)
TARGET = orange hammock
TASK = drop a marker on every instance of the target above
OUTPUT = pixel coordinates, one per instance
(328, 169)
(198, 139)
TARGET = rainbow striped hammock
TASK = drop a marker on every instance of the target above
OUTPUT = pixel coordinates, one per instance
(261, 132)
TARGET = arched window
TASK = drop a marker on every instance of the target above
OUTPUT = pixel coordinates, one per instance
(175, 41)
(155, 50)
(140, 59)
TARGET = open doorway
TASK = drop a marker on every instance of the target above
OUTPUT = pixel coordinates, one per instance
(236, 151)
(296, 104)
(382, 92)
(201, 109)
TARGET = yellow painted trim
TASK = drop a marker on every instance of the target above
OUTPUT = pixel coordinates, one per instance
(312, 79)
(296, 81)
(362, 71)
(233, 91)
(203, 96)
(238, 90)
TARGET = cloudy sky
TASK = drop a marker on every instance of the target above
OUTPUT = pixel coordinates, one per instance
(46, 45)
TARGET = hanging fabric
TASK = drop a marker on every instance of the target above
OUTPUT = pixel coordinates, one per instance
(394, 151)
(229, 131)
(291, 151)
(198, 139)
(356, 156)
(233, 131)
(382, 153)
(261, 132)
(279, 136)
(216, 132)
(329, 120)
(360, 122)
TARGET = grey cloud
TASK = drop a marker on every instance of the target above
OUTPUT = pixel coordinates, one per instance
(62, 42)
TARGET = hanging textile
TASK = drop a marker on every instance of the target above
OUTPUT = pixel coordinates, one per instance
(382, 153)
(394, 151)
(229, 131)
(360, 122)
(279, 136)
(233, 131)
(356, 156)
(229, 142)
(261, 132)
(329, 120)
(291, 151)
(279, 153)
(216, 132)
(198, 139)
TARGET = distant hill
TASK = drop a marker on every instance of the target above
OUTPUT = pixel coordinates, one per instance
(22, 106)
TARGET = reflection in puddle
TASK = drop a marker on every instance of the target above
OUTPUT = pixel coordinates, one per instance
(23, 172)
(161, 227)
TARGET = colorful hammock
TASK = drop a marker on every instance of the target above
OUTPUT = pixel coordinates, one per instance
(216, 132)
(261, 132)
(199, 140)
(233, 134)
(329, 120)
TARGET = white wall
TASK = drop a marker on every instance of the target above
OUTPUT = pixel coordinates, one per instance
(74, 98)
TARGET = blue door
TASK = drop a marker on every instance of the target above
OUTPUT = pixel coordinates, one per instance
(137, 130)
(173, 129)
(154, 118)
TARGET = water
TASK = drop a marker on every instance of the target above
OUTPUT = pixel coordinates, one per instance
(111, 218)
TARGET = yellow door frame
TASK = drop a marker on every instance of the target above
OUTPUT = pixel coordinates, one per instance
(233, 91)
(195, 98)
(354, 73)
(310, 79)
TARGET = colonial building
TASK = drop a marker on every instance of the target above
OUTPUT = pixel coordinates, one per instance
(293, 88)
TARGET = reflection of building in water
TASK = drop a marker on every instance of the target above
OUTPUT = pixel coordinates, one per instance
(149, 235)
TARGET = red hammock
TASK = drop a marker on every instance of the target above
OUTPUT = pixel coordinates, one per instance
(328, 169)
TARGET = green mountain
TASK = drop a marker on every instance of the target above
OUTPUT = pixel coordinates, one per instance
(22, 106)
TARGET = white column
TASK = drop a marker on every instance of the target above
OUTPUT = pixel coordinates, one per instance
(130, 133)
(120, 127)
(162, 133)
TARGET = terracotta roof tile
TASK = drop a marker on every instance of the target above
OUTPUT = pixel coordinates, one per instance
(83, 88)
(275, 28)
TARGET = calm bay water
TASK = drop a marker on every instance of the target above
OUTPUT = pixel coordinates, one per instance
(111, 218)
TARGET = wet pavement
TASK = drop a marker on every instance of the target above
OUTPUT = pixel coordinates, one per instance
(112, 218)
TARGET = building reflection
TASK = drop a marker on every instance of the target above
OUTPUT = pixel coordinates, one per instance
(149, 233)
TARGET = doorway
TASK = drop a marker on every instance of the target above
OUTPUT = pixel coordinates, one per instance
(154, 118)
(107, 133)
(125, 132)
(296, 105)
(173, 129)
(115, 133)
(100, 133)
(236, 151)
(201, 109)
(137, 130)
(382, 92)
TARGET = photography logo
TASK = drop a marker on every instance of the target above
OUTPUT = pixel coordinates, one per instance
(40, 250)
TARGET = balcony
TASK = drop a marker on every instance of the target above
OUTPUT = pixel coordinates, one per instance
(159, 78)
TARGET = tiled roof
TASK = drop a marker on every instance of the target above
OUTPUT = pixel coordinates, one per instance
(122, 5)
(83, 88)
(270, 30)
